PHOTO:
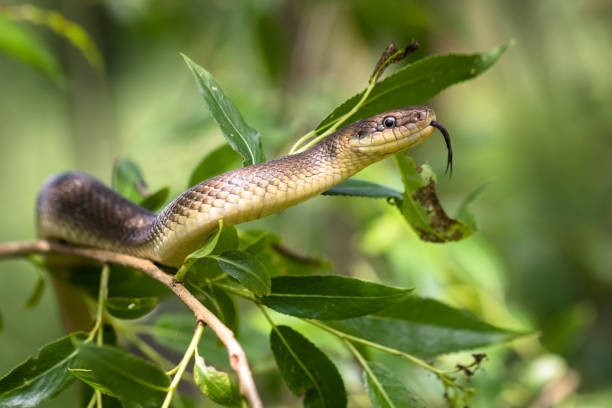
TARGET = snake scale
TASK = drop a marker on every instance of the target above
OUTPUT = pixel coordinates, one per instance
(77, 208)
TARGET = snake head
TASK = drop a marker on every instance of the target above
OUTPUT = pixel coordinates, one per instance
(392, 131)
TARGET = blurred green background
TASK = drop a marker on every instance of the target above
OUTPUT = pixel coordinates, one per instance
(536, 128)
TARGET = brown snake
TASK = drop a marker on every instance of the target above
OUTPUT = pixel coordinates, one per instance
(77, 208)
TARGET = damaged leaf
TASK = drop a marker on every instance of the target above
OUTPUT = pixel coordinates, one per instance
(421, 206)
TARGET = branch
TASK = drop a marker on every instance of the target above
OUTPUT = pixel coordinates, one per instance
(237, 357)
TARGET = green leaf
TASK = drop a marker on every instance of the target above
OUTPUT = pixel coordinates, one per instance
(221, 304)
(199, 255)
(40, 378)
(247, 270)
(329, 297)
(38, 291)
(241, 137)
(130, 307)
(417, 83)
(363, 188)
(128, 180)
(386, 391)
(421, 207)
(464, 213)
(256, 241)
(216, 385)
(175, 331)
(89, 377)
(121, 374)
(154, 201)
(220, 160)
(424, 327)
(17, 42)
(307, 370)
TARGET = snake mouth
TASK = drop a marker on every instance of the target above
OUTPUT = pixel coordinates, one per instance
(449, 148)
(394, 140)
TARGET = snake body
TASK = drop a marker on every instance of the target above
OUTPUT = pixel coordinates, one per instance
(77, 208)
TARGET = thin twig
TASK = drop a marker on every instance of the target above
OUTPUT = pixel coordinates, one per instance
(237, 357)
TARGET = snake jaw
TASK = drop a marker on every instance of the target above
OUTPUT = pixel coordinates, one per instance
(392, 131)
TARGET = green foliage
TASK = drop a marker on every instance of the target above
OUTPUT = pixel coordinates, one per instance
(117, 373)
(386, 391)
(424, 327)
(216, 385)
(241, 137)
(16, 41)
(307, 371)
(40, 378)
(253, 265)
(330, 297)
(416, 83)
(247, 270)
(218, 161)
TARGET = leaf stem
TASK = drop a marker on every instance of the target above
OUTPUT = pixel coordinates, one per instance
(368, 370)
(239, 292)
(102, 294)
(183, 364)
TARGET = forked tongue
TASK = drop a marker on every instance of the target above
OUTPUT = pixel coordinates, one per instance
(449, 160)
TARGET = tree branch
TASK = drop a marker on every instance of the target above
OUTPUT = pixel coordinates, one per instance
(237, 357)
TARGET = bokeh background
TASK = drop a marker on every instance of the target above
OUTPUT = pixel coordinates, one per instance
(536, 128)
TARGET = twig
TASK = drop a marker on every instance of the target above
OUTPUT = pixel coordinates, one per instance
(183, 364)
(237, 357)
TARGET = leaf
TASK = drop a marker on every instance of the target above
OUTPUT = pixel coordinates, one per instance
(241, 137)
(130, 307)
(73, 32)
(464, 213)
(89, 377)
(222, 305)
(386, 391)
(329, 297)
(17, 42)
(175, 332)
(220, 160)
(256, 241)
(216, 385)
(128, 180)
(123, 375)
(307, 370)
(38, 291)
(363, 188)
(247, 270)
(424, 327)
(416, 83)
(40, 378)
(421, 207)
(154, 201)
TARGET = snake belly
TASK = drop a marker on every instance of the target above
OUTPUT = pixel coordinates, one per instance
(78, 208)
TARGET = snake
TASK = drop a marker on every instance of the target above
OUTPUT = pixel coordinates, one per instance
(76, 208)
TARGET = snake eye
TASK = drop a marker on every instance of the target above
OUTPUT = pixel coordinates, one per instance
(389, 121)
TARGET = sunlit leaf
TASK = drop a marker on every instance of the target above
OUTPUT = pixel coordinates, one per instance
(330, 297)
(53, 20)
(386, 391)
(218, 161)
(247, 270)
(424, 327)
(363, 188)
(307, 371)
(128, 180)
(123, 375)
(17, 42)
(416, 83)
(216, 385)
(421, 206)
(40, 378)
(130, 307)
(243, 138)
